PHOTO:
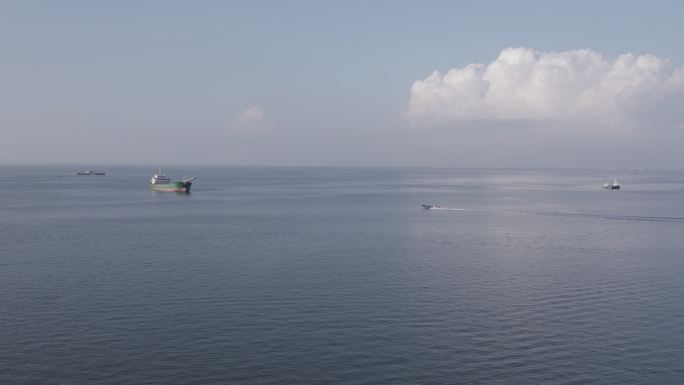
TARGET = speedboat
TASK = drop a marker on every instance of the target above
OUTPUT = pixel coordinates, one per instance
(612, 186)
(90, 172)
(429, 207)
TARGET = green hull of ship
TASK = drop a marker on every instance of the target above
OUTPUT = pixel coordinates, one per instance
(178, 187)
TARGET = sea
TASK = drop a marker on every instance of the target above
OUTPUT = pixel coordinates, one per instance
(318, 275)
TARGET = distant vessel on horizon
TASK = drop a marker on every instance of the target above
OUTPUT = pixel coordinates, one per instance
(612, 186)
(90, 172)
(161, 182)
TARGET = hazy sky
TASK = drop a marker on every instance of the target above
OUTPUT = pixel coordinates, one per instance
(368, 83)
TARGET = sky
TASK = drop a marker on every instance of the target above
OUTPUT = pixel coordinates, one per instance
(580, 84)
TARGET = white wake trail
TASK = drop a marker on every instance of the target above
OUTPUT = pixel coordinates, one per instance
(569, 214)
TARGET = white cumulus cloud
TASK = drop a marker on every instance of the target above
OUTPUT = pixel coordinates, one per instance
(252, 119)
(572, 86)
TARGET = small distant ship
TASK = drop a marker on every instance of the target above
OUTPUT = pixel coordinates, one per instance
(429, 207)
(161, 182)
(90, 172)
(612, 186)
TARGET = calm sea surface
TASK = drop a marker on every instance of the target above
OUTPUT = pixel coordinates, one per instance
(335, 275)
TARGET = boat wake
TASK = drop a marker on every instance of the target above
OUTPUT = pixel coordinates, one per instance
(572, 215)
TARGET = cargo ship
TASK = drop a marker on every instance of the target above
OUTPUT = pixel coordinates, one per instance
(161, 182)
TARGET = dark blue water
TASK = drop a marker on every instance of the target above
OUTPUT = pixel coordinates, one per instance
(333, 275)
